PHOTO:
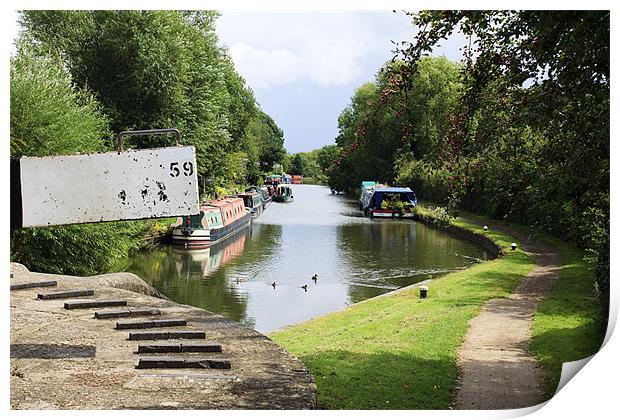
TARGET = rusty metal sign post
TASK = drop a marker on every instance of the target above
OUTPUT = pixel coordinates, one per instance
(97, 187)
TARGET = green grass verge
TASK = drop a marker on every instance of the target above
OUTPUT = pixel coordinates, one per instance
(398, 351)
(568, 325)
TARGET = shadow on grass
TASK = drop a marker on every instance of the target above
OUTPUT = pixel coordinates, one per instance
(556, 346)
(348, 380)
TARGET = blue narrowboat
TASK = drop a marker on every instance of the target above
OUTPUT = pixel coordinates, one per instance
(380, 201)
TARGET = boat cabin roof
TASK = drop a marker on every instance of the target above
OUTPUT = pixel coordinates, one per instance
(226, 201)
(209, 207)
(368, 184)
(393, 190)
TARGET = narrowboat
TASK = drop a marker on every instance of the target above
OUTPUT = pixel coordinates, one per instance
(217, 220)
(252, 201)
(283, 194)
(265, 193)
(391, 202)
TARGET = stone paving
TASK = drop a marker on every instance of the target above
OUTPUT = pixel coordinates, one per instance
(179, 356)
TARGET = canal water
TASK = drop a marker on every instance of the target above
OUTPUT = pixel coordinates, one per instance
(355, 258)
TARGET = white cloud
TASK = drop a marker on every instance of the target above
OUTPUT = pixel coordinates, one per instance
(331, 64)
(334, 62)
(325, 48)
(263, 68)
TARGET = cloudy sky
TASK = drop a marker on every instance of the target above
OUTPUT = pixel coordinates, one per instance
(304, 66)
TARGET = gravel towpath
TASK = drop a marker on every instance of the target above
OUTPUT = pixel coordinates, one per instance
(496, 368)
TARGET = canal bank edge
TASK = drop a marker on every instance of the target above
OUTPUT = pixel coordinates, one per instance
(402, 347)
(462, 232)
(345, 339)
(67, 359)
(459, 232)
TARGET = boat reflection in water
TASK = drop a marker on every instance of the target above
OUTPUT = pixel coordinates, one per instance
(198, 277)
(189, 262)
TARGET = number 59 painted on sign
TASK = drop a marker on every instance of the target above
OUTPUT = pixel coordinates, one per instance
(188, 169)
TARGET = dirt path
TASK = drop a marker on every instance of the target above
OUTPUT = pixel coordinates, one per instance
(496, 368)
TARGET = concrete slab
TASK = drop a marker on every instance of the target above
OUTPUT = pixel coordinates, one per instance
(54, 372)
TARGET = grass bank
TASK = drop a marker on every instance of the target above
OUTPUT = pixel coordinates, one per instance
(568, 324)
(399, 351)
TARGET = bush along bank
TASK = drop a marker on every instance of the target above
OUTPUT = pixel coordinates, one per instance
(400, 351)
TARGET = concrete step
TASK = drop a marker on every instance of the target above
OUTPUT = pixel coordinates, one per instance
(180, 348)
(151, 323)
(127, 313)
(179, 363)
(87, 304)
(65, 294)
(166, 335)
(33, 284)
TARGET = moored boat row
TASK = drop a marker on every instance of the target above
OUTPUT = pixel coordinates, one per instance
(219, 219)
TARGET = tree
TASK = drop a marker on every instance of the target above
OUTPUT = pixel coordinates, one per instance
(326, 155)
(536, 101)
(376, 130)
(87, 74)
(154, 69)
(49, 116)
(298, 164)
(528, 139)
